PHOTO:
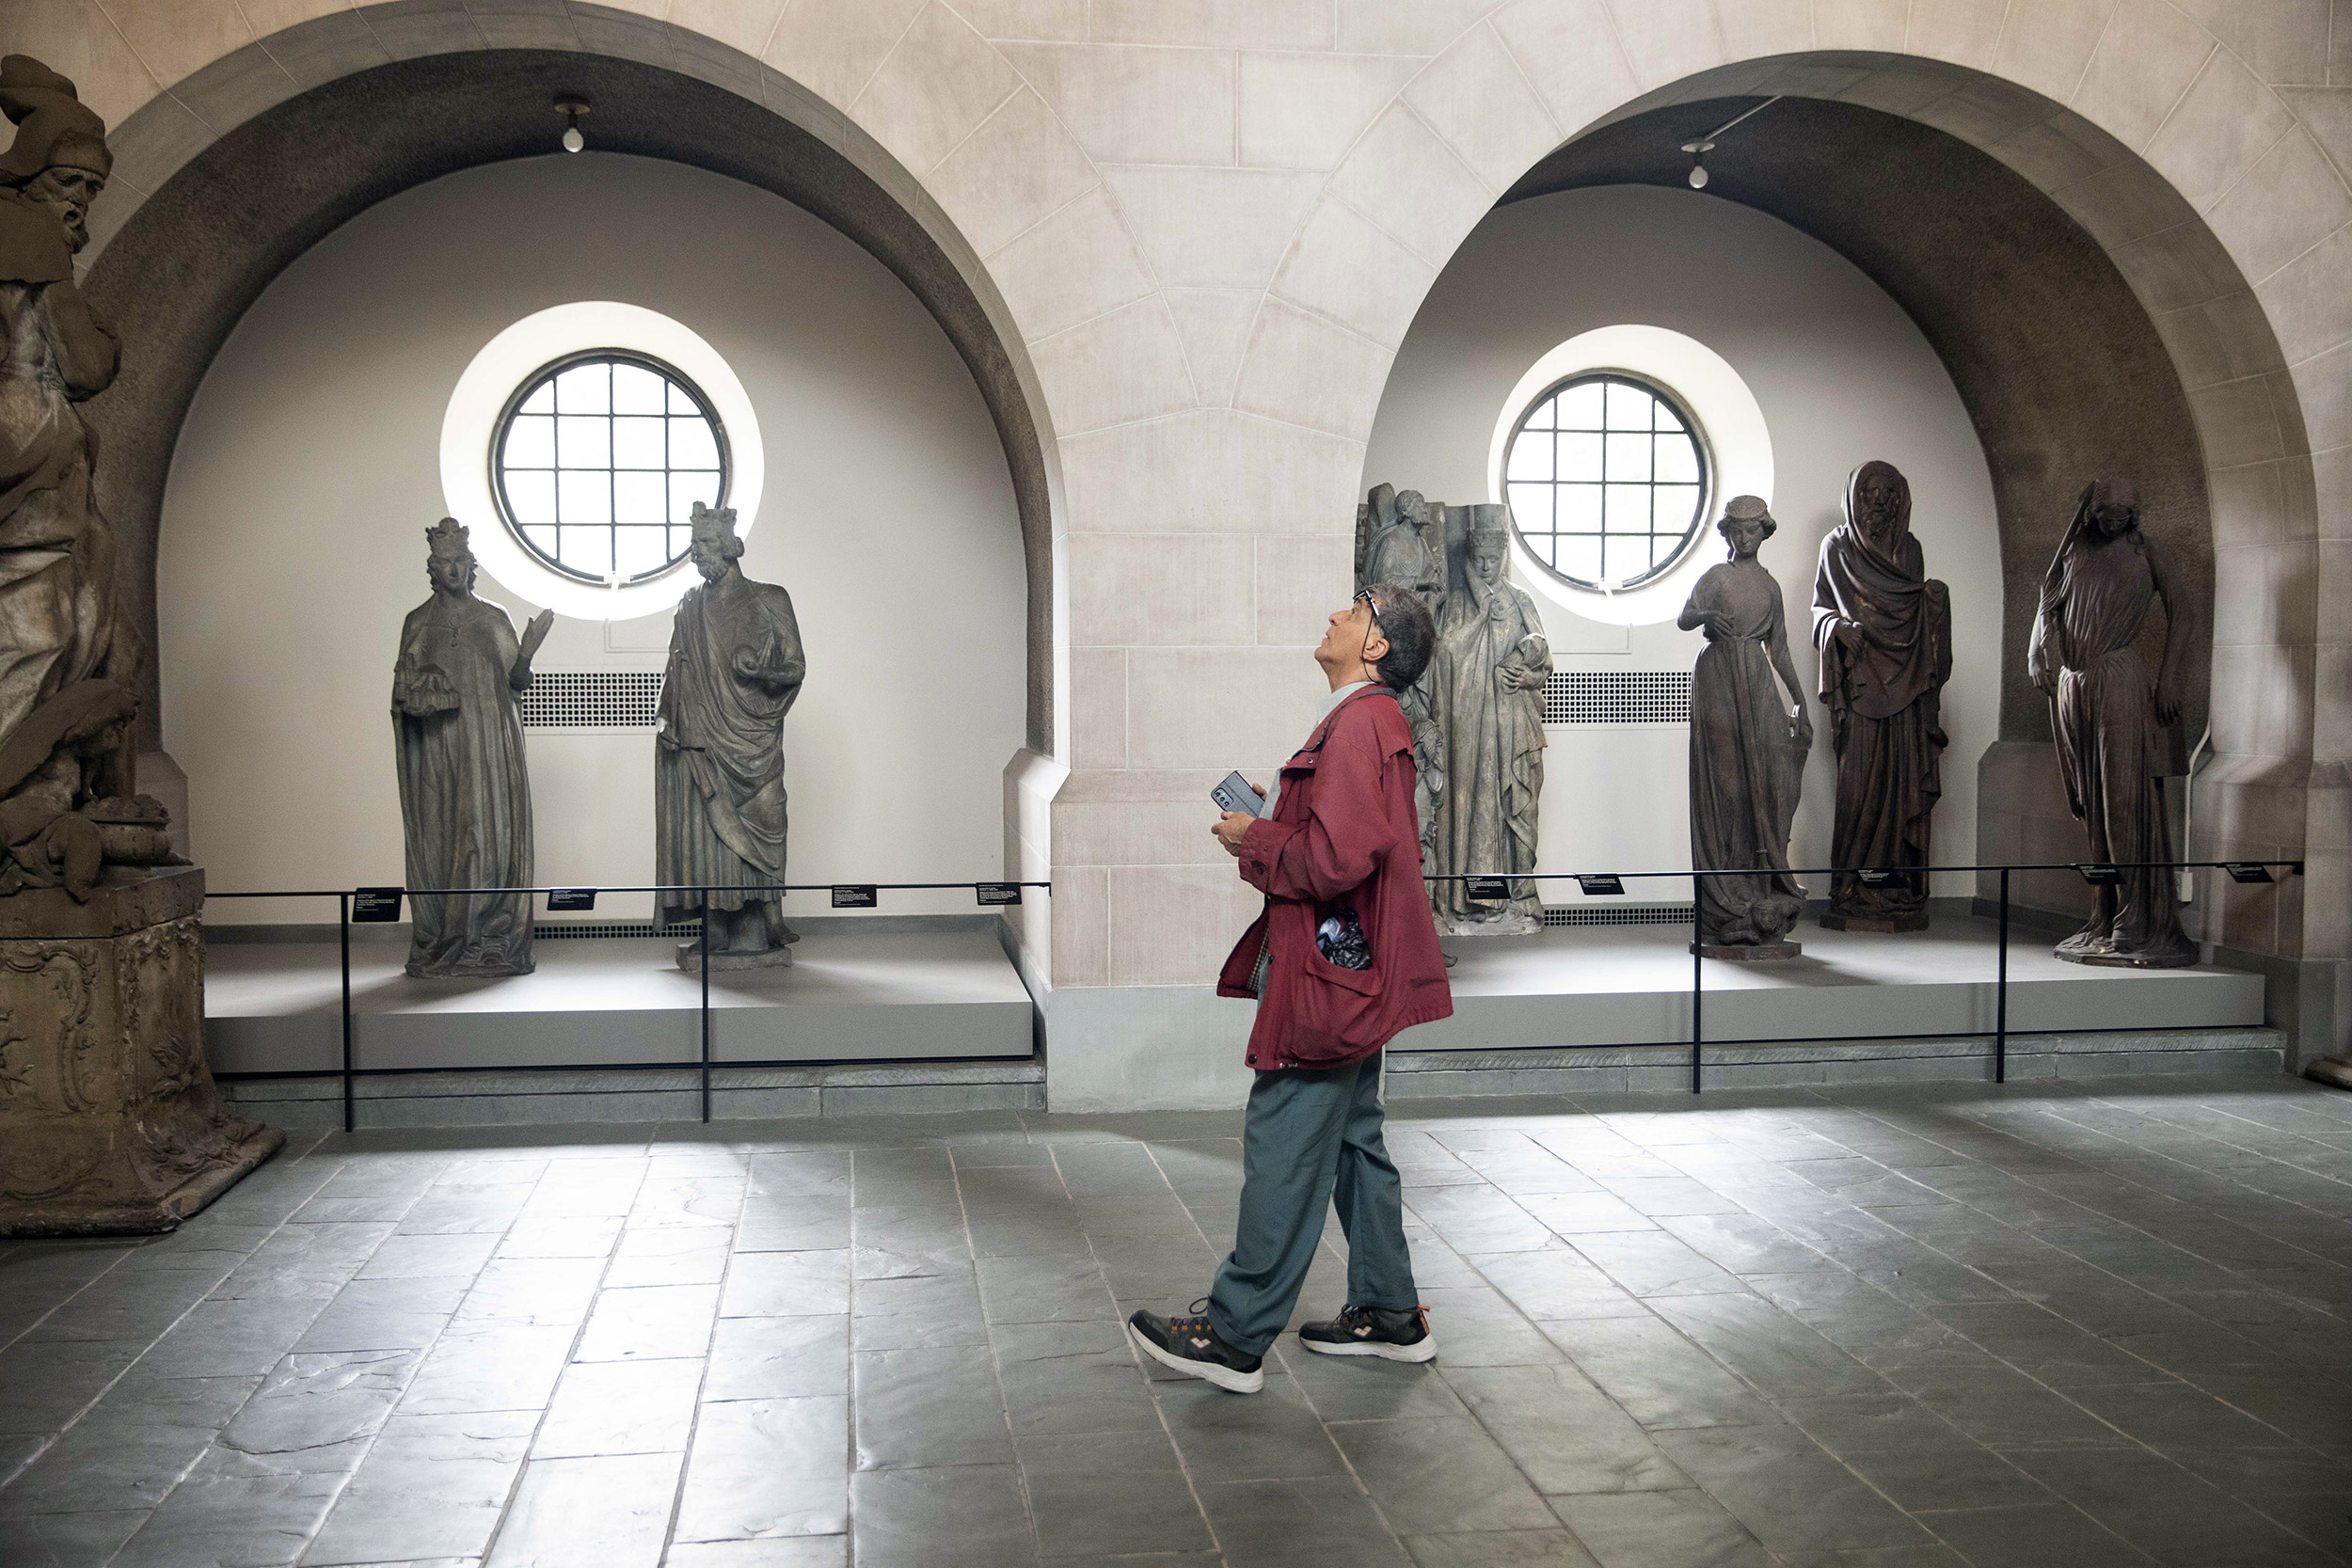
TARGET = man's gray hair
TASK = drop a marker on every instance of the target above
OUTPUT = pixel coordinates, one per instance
(1412, 636)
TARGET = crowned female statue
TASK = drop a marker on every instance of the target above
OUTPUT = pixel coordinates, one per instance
(1488, 685)
(1747, 748)
(2115, 727)
(465, 788)
(735, 669)
(1885, 631)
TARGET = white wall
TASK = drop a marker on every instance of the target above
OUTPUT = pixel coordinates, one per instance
(293, 535)
(1842, 375)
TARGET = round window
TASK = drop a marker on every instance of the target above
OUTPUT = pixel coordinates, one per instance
(597, 461)
(1607, 479)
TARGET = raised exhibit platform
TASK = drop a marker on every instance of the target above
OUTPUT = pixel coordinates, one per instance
(850, 996)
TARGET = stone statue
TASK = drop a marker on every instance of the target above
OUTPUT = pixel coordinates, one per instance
(1748, 745)
(2116, 729)
(109, 1119)
(1885, 631)
(1488, 679)
(464, 789)
(69, 799)
(735, 668)
(1395, 546)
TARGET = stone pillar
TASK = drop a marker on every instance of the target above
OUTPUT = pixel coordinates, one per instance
(109, 1119)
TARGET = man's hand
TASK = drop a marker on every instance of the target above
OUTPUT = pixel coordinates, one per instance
(1229, 827)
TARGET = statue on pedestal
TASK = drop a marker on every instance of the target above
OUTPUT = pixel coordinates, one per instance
(465, 788)
(109, 1119)
(735, 668)
(1885, 631)
(1488, 681)
(2117, 730)
(1395, 545)
(1748, 745)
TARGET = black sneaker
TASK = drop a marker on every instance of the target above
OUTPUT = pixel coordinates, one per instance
(1189, 1345)
(1375, 1331)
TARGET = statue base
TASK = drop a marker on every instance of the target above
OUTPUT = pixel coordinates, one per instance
(689, 959)
(2121, 960)
(1874, 922)
(2335, 1072)
(1512, 924)
(110, 1123)
(1749, 953)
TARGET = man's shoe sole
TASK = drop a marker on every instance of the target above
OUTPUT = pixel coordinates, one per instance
(1422, 1349)
(1227, 1378)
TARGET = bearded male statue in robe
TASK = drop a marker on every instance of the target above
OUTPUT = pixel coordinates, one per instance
(1883, 628)
(1748, 744)
(1397, 549)
(69, 799)
(465, 788)
(736, 667)
(2117, 740)
(1488, 679)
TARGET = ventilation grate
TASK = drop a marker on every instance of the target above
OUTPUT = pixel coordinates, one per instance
(609, 699)
(1617, 697)
(544, 930)
(1602, 913)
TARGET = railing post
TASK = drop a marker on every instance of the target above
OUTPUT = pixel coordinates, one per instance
(705, 1012)
(343, 922)
(1697, 991)
(2000, 994)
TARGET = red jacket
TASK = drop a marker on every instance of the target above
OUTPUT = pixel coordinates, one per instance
(1343, 833)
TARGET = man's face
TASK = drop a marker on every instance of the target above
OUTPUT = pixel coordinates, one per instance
(1877, 499)
(1345, 634)
(710, 551)
(450, 573)
(67, 193)
(2112, 520)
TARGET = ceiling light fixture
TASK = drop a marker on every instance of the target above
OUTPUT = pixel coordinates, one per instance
(571, 106)
(1699, 148)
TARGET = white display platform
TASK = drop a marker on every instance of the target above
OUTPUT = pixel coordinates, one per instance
(1631, 985)
(849, 996)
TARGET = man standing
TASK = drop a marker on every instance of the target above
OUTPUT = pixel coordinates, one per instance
(735, 668)
(1344, 957)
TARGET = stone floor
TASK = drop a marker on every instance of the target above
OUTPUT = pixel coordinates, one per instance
(2060, 1325)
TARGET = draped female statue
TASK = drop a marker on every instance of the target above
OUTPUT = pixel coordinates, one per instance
(1885, 631)
(735, 669)
(464, 789)
(1488, 681)
(2115, 743)
(1747, 749)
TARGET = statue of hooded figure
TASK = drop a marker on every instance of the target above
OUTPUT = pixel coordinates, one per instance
(68, 668)
(1883, 628)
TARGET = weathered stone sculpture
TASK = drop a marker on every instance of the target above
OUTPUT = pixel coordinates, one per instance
(2116, 743)
(1885, 631)
(465, 788)
(109, 1120)
(1488, 681)
(1395, 545)
(1747, 749)
(735, 668)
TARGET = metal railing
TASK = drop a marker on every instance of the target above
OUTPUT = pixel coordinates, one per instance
(995, 894)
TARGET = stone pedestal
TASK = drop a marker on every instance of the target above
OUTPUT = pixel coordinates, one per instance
(1875, 923)
(1749, 953)
(689, 959)
(2335, 1072)
(109, 1119)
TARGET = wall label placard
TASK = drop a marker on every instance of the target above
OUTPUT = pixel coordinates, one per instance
(993, 894)
(1876, 877)
(1487, 889)
(571, 900)
(2100, 875)
(855, 895)
(1602, 884)
(2247, 871)
(375, 906)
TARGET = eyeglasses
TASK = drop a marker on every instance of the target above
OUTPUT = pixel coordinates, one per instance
(1363, 597)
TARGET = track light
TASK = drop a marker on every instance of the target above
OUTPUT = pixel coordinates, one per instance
(1699, 148)
(571, 106)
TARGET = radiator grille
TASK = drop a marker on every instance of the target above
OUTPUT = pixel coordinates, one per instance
(1601, 912)
(1617, 697)
(607, 698)
(544, 930)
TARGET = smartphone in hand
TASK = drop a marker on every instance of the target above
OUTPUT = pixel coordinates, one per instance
(1235, 794)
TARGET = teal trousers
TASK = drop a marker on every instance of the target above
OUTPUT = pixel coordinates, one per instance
(1313, 1141)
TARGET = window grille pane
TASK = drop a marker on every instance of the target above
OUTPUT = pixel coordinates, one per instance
(1677, 460)
(1628, 405)
(1627, 509)
(1531, 456)
(1530, 507)
(692, 445)
(531, 442)
(1578, 509)
(1676, 509)
(541, 539)
(1629, 457)
(584, 442)
(1581, 558)
(586, 549)
(638, 389)
(542, 400)
(1541, 416)
(680, 402)
(531, 499)
(686, 489)
(638, 550)
(642, 498)
(1579, 458)
(584, 389)
(640, 443)
(1579, 406)
(584, 500)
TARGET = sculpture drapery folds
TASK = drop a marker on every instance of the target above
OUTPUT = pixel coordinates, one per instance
(1883, 628)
